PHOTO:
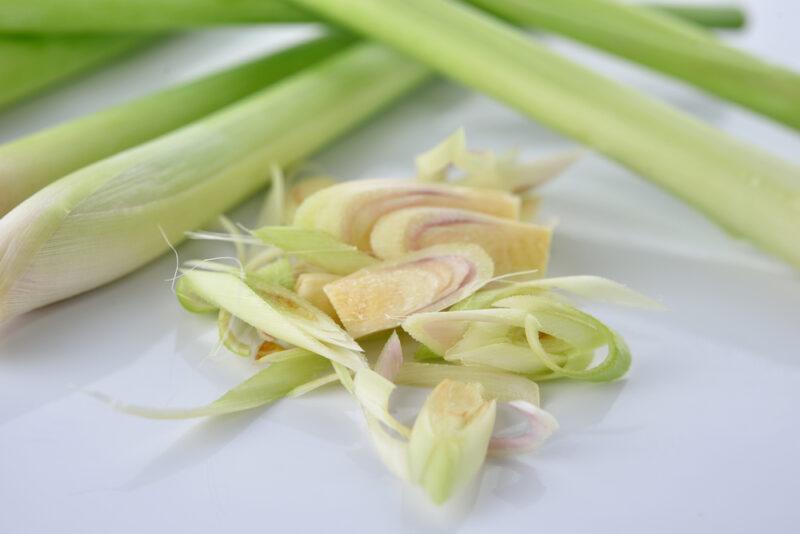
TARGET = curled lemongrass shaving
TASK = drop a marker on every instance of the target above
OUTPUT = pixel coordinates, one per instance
(281, 319)
(298, 373)
(450, 438)
(316, 247)
(540, 425)
(441, 330)
(349, 210)
(513, 246)
(382, 296)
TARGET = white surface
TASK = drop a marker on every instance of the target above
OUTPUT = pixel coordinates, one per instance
(702, 436)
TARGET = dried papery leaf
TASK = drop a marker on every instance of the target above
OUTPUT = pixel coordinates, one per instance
(539, 426)
(309, 286)
(276, 315)
(381, 297)
(433, 165)
(514, 246)
(349, 210)
(291, 376)
(450, 438)
(441, 330)
(316, 247)
(499, 385)
(302, 190)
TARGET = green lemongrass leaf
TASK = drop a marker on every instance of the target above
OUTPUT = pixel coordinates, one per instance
(744, 189)
(236, 236)
(382, 296)
(243, 339)
(450, 438)
(344, 377)
(231, 293)
(665, 43)
(499, 385)
(289, 377)
(277, 271)
(317, 248)
(30, 63)
(710, 16)
(85, 140)
(105, 220)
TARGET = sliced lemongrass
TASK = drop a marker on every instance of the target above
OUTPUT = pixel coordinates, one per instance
(539, 424)
(303, 189)
(288, 377)
(450, 438)
(383, 296)
(309, 286)
(273, 212)
(236, 238)
(279, 319)
(190, 299)
(106, 220)
(425, 354)
(237, 336)
(434, 164)
(441, 330)
(316, 247)
(349, 210)
(277, 271)
(514, 246)
(373, 391)
(500, 385)
(390, 359)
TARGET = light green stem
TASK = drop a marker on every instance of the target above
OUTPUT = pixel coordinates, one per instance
(749, 192)
(666, 44)
(30, 163)
(30, 63)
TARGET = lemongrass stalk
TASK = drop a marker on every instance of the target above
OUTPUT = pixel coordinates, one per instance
(111, 217)
(108, 16)
(710, 16)
(748, 191)
(30, 63)
(667, 44)
(30, 163)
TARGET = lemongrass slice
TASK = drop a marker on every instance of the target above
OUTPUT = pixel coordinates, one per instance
(275, 314)
(540, 425)
(190, 299)
(439, 331)
(302, 190)
(316, 247)
(349, 210)
(382, 296)
(310, 286)
(450, 438)
(514, 246)
(290, 376)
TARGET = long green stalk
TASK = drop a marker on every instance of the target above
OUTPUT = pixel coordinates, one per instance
(103, 16)
(749, 192)
(667, 44)
(30, 163)
(31, 63)
(107, 219)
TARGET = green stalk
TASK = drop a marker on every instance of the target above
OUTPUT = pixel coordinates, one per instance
(75, 144)
(749, 192)
(105, 16)
(723, 17)
(667, 44)
(107, 219)
(31, 63)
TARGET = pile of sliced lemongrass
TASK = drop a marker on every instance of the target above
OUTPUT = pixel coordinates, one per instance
(444, 258)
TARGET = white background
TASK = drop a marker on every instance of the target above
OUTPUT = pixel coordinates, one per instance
(702, 436)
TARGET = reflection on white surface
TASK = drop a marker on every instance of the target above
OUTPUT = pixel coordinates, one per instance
(701, 436)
